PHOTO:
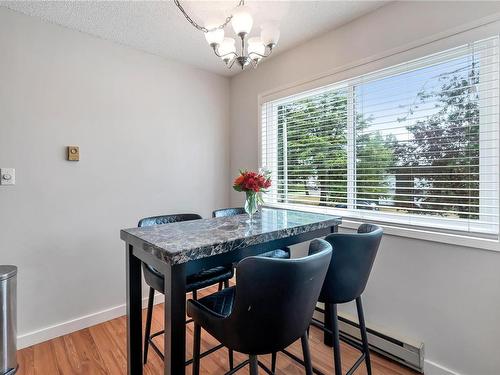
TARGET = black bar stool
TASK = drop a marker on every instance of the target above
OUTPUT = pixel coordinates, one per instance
(269, 308)
(155, 280)
(225, 212)
(350, 266)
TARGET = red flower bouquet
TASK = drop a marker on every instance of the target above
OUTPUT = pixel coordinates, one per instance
(253, 184)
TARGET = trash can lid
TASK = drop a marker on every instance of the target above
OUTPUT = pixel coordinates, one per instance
(6, 272)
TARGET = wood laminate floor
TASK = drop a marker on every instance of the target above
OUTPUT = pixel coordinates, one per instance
(101, 349)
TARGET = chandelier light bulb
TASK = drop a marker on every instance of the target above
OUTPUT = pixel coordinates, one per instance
(227, 49)
(215, 37)
(242, 20)
(270, 34)
(256, 48)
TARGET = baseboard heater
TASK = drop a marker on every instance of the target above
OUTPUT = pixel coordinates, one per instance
(403, 351)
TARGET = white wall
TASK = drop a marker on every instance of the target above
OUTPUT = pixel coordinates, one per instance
(446, 296)
(153, 136)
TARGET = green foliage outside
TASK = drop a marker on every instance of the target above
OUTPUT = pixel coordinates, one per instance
(430, 173)
(445, 150)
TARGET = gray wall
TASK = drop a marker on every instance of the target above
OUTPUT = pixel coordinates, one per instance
(446, 296)
(153, 137)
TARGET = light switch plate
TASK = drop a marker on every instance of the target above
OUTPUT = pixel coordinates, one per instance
(7, 176)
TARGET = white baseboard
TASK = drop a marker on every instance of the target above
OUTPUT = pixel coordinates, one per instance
(433, 368)
(64, 328)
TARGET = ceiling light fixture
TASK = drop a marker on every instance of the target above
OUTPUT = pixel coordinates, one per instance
(252, 49)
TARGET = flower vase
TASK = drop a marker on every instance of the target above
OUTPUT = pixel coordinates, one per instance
(251, 205)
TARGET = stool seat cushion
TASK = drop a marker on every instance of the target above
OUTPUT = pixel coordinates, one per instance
(278, 253)
(194, 282)
(209, 277)
(220, 303)
(210, 312)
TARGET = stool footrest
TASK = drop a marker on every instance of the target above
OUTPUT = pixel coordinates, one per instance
(358, 362)
(316, 323)
(264, 367)
(189, 361)
(237, 368)
(246, 362)
(298, 360)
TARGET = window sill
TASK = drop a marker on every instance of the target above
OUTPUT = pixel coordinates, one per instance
(442, 237)
(416, 233)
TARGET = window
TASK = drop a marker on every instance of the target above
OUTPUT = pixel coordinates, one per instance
(415, 144)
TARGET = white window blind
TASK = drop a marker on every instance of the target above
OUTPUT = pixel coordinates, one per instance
(415, 144)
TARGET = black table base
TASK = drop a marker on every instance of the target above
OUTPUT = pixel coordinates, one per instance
(175, 295)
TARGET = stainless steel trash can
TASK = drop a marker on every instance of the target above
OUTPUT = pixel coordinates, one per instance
(8, 320)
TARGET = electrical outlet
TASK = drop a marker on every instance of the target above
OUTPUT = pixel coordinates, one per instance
(7, 176)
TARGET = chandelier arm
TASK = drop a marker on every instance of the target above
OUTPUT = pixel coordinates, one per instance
(228, 54)
(262, 56)
(216, 51)
(202, 28)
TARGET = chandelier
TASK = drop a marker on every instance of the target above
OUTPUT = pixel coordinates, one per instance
(252, 49)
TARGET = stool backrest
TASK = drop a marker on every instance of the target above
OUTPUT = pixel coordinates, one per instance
(223, 212)
(275, 300)
(167, 219)
(352, 260)
(156, 280)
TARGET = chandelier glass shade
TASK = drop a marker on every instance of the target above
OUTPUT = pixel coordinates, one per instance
(251, 49)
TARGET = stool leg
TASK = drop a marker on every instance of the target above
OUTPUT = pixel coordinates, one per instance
(327, 337)
(273, 362)
(364, 338)
(254, 365)
(196, 349)
(336, 338)
(307, 354)
(149, 316)
(220, 286)
(231, 359)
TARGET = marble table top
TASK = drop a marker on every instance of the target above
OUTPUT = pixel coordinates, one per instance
(181, 242)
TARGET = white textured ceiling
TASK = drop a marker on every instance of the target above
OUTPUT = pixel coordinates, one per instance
(158, 27)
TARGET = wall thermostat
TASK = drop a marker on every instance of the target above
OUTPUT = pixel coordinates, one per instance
(7, 176)
(73, 153)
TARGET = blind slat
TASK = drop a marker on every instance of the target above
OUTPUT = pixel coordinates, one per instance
(328, 122)
(342, 96)
(427, 150)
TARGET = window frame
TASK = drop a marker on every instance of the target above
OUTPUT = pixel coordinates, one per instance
(399, 228)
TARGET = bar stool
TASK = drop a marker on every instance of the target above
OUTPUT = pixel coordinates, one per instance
(155, 280)
(269, 308)
(350, 266)
(283, 253)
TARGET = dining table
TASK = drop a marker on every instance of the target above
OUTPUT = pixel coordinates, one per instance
(180, 249)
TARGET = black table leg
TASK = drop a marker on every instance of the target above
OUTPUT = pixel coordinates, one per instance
(175, 320)
(134, 313)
